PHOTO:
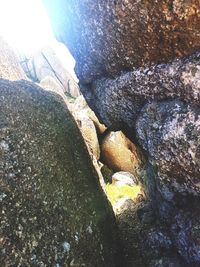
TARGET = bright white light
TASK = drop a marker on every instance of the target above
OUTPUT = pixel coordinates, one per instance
(24, 24)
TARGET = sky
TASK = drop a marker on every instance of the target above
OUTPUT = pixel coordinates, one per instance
(24, 24)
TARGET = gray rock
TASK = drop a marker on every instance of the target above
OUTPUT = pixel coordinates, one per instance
(123, 178)
(169, 131)
(134, 76)
(118, 101)
(53, 212)
(46, 63)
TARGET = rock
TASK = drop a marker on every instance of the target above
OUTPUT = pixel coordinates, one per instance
(49, 83)
(119, 153)
(143, 240)
(185, 228)
(10, 68)
(123, 178)
(88, 131)
(81, 105)
(167, 262)
(123, 204)
(110, 36)
(169, 131)
(53, 212)
(107, 173)
(118, 101)
(138, 63)
(46, 63)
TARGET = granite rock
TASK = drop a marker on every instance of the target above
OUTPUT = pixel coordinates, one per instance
(53, 211)
(118, 101)
(108, 37)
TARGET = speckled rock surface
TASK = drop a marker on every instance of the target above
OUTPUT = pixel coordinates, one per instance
(10, 68)
(118, 101)
(139, 69)
(108, 36)
(146, 241)
(169, 131)
(53, 212)
(89, 133)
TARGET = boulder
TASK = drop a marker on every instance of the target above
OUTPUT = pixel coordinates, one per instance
(10, 68)
(119, 153)
(138, 63)
(123, 178)
(49, 83)
(123, 204)
(82, 106)
(47, 63)
(53, 211)
(110, 36)
(118, 101)
(146, 242)
(169, 131)
(89, 133)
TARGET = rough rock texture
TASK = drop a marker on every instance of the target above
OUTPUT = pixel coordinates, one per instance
(49, 83)
(146, 241)
(118, 101)
(139, 68)
(170, 132)
(53, 212)
(46, 63)
(109, 36)
(89, 133)
(10, 68)
(81, 105)
(120, 154)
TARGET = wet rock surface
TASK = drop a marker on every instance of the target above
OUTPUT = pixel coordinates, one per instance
(53, 212)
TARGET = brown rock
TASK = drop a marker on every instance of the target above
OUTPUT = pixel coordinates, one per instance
(82, 106)
(89, 133)
(119, 153)
(109, 36)
(10, 68)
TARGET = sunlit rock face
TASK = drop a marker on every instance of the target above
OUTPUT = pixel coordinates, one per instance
(10, 68)
(106, 37)
(53, 211)
(46, 63)
(139, 68)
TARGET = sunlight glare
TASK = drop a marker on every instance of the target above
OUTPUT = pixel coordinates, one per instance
(24, 24)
